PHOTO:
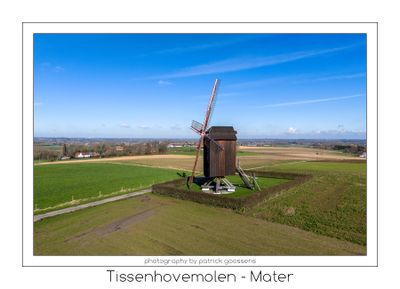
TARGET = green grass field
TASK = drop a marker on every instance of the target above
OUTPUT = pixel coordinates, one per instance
(52, 147)
(324, 216)
(333, 203)
(71, 184)
(158, 225)
(241, 189)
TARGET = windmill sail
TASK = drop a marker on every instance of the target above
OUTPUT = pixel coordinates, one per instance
(197, 126)
(201, 129)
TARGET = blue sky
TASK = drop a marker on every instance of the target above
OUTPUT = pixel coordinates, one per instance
(153, 85)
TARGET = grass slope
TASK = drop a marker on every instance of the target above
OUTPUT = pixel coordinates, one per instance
(157, 225)
(58, 184)
(333, 203)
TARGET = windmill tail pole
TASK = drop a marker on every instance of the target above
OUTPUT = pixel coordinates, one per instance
(243, 176)
(255, 182)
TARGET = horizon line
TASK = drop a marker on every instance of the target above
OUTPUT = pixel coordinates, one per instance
(190, 138)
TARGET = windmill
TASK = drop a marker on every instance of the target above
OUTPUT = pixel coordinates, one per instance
(219, 154)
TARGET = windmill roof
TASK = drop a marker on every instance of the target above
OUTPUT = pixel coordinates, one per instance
(222, 133)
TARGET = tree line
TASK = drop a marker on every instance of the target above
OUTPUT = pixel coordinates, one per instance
(100, 150)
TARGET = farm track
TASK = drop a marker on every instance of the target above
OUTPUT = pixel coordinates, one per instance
(149, 166)
(88, 205)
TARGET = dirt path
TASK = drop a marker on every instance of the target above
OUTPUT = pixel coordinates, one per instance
(88, 205)
(151, 166)
(121, 224)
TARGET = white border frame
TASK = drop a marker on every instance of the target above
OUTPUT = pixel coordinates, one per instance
(371, 29)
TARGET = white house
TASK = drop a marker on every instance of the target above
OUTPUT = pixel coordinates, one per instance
(175, 145)
(83, 155)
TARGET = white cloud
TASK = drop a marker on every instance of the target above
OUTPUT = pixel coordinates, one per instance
(237, 64)
(124, 125)
(260, 82)
(227, 94)
(58, 68)
(51, 67)
(164, 82)
(340, 133)
(300, 102)
(333, 77)
(296, 79)
(176, 127)
(45, 64)
(341, 128)
(184, 49)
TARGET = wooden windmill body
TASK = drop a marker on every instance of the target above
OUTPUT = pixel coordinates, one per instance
(219, 161)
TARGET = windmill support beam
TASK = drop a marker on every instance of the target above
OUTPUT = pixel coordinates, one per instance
(218, 185)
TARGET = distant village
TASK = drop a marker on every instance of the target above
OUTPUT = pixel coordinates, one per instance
(65, 149)
(51, 149)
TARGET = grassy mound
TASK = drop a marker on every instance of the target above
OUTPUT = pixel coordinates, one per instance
(241, 189)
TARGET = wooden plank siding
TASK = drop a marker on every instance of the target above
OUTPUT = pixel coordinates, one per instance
(217, 162)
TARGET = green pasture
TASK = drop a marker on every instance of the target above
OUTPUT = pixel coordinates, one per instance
(332, 203)
(71, 184)
(49, 147)
(319, 167)
(153, 225)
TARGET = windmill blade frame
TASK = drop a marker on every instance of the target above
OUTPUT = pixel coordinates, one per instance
(197, 126)
(210, 106)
